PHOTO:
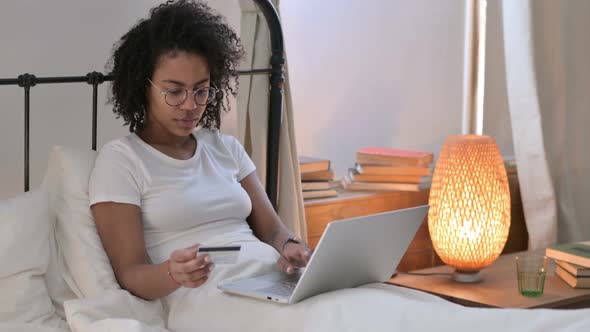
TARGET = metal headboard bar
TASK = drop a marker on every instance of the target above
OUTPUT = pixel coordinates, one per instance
(277, 62)
(83, 79)
(27, 122)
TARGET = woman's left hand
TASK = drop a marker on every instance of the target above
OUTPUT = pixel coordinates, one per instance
(293, 255)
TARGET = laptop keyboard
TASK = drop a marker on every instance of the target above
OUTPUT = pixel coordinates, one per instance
(281, 288)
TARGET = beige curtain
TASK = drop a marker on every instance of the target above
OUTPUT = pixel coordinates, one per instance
(253, 108)
(547, 76)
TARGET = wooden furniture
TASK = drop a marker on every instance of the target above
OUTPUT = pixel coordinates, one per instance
(320, 212)
(498, 288)
(420, 254)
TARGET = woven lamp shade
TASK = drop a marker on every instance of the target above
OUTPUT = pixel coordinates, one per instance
(469, 216)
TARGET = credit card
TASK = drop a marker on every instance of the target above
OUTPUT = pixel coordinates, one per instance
(221, 254)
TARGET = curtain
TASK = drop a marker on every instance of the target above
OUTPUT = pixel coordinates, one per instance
(547, 78)
(253, 108)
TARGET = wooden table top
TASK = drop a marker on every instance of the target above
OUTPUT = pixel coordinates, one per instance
(498, 287)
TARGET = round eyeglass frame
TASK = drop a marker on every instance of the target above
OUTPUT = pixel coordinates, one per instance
(164, 92)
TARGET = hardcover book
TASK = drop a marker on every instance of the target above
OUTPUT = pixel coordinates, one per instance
(577, 253)
(318, 176)
(570, 279)
(319, 193)
(392, 157)
(349, 184)
(392, 170)
(311, 164)
(575, 269)
(315, 185)
(359, 177)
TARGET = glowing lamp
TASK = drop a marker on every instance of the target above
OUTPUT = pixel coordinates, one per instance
(469, 216)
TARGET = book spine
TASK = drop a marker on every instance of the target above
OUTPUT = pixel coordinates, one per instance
(576, 270)
(392, 170)
(580, 282)
(377, 160)
(566, 266)
(563, 275)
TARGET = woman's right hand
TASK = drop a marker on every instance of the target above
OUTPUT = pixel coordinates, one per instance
(188, 269)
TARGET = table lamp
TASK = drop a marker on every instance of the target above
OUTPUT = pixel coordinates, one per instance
(469, 216)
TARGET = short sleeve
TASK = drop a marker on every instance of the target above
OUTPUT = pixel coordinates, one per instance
(245, 164)
(114, 177)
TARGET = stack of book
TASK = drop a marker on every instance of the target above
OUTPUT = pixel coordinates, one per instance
(572, 263)
(389, 169)
(316, 177)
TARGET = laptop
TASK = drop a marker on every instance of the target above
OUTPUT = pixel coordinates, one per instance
(350, 253)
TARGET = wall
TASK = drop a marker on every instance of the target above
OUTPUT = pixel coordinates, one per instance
(386, 73)
(362, 73)
(60, 37)
(373, 72)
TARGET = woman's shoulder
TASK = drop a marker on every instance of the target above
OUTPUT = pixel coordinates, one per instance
(213, 135)
(122, 146)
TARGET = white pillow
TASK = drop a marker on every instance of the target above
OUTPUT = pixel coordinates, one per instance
(57, 272)
(24, 256)
(87, 269)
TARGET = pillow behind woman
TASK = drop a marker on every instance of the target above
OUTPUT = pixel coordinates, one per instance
(24, 243)
(84, 266)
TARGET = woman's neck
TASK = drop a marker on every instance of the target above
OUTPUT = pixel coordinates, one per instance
(160, 137)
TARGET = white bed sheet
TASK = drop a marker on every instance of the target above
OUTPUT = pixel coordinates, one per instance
(374, 307)
(23, 327)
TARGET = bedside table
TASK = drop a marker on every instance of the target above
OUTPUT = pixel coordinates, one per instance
(349, 204)
(497, 289)
(420, 254)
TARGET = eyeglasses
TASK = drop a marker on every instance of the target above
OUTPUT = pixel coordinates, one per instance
(177, 96)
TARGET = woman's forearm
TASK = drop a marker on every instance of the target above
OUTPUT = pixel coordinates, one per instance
(279, 235)
(270, 229)
(121, 233)
(147, 281)
(263, 219)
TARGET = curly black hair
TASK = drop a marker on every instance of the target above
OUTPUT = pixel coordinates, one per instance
(183, 25)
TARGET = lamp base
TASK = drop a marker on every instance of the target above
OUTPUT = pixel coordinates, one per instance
(466, 276)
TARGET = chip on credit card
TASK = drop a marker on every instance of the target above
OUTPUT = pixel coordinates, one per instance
(221, 254)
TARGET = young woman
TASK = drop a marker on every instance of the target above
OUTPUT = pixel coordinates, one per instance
(168, 186)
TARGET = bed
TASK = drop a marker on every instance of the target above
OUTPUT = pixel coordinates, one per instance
(55, 275)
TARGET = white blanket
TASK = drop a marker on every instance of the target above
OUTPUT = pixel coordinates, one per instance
(23, 327)
(375, 307)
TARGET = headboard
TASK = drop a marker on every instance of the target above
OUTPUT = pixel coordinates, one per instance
(275, 72)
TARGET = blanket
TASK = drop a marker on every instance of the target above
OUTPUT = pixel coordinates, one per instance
(373, 307)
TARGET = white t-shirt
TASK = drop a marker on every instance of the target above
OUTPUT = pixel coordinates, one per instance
(183, 202)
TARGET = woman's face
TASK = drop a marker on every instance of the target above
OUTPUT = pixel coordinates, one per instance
(176, 71)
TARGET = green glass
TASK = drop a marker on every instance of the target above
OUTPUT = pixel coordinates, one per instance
(531, 271)
(531, 283)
